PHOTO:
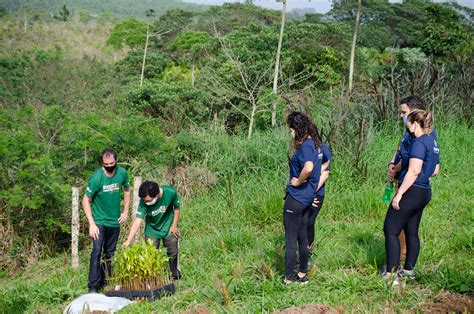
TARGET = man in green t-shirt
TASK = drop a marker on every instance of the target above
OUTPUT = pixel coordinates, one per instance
(101, 204)
(159, 206)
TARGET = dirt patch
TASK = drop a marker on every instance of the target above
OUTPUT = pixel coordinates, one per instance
(198, 310)
(448, 303)
(309, 308)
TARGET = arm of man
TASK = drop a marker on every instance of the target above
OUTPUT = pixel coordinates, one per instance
(391, 167)
(126, 205)
(414, 169)
(174, 227)
(93, 229)
(305, 173)
(133, 231)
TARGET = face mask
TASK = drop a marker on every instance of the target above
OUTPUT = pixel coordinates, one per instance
(293, 133)
(405, 119)
(153, 202)
(110, 169)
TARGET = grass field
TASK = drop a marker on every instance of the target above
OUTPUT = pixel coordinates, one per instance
(232, 246)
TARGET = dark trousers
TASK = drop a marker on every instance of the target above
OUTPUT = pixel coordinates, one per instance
(313, 214)
(408, 219)
(295, 218)
(101, 257)
(172, 250)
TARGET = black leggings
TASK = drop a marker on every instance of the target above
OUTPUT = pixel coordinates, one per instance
(408, 219)
(295, 218)
(313, 214)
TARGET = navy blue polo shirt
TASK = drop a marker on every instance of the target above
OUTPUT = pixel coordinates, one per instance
(403, 151)
(306, 152)
(425, 148)
(326, 156)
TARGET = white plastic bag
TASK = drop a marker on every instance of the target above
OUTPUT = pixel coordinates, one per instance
(96, 302)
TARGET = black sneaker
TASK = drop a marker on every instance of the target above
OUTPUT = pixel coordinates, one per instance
(291, 280)
(302, 280)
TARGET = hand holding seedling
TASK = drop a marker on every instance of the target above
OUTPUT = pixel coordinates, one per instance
(126, 244)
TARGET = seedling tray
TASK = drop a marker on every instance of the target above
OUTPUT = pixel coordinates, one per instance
(151, 295)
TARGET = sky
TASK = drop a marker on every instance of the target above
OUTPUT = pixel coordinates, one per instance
(320, 6)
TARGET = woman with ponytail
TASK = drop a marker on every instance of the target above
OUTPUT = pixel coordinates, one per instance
(305, 170)
(414, 193)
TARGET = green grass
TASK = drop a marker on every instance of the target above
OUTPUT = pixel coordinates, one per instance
(232, 250)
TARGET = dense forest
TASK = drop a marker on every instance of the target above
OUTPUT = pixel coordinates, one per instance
(188, 95)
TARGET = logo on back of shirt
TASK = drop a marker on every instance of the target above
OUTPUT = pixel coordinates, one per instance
(320, 156)
(160, 210)
(110, 187)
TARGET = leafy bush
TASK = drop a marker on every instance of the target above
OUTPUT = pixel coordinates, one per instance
(175, 103)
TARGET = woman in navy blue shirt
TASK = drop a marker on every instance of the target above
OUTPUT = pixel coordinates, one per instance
(305, 170)
(326, 156)
(414, 193)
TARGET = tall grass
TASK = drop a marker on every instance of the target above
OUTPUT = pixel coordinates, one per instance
(232, 246)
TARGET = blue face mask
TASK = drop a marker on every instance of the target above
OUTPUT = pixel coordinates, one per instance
(405, 119)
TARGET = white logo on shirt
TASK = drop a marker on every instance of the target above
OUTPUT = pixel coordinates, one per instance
(110, 187)
(436, 148)
(160, 210)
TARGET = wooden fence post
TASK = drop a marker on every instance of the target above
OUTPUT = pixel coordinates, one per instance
(75, 227)
(137, 181)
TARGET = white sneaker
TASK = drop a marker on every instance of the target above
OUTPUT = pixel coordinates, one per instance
(392, 280)
(403, 273)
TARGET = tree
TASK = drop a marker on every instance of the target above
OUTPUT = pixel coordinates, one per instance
(174, 22)
(173, 102)
(130, 32)
(129, 68)
(149, 14)
(241, 76)
(63, 14)
(277, 61)
(354, 41)
(444, 33)
(191, 45)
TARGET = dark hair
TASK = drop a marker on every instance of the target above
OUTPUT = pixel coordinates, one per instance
(423, 118)
(303, 127)
(413, 102)
(108, 152)
(148, 188)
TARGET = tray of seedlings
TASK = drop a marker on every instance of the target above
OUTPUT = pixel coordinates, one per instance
(140, 272)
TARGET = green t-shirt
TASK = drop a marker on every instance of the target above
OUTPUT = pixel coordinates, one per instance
(105, 193)
(159, 217)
